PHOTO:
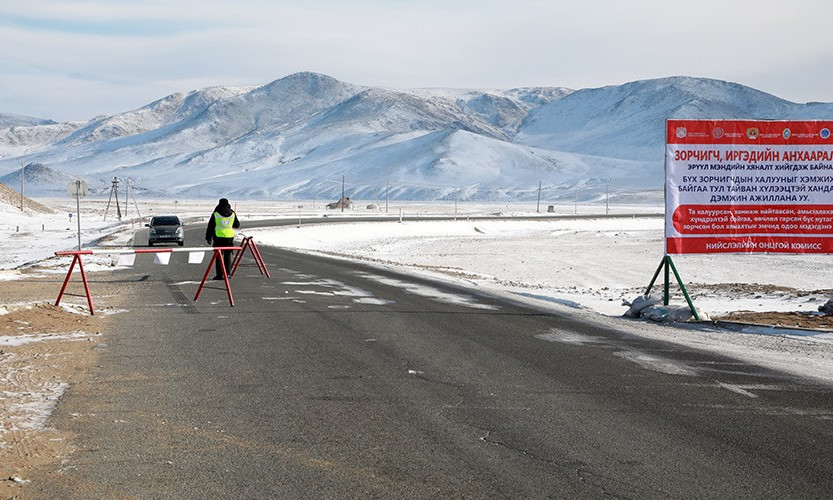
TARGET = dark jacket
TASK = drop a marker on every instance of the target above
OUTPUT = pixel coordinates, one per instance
(225, 210)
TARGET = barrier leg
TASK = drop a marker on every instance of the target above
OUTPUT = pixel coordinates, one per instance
(225, 279)
(248, 242)
(259, 259)
(66, 280)
(238, 256)
(86, 285)
(250, 245)
(205, 276)
(77, 258)
(216, 255)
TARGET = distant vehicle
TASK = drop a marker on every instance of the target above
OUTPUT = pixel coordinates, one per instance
(165, 229)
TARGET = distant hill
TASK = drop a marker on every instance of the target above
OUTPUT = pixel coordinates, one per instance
(8, 120)
(39, 180)
(9, 196)
(298, 136)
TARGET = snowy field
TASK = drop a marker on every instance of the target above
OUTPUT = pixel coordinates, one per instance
(589, 263)
(585, 266)
(585, 263)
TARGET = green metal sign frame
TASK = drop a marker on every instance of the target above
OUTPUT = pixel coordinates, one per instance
(667, 264)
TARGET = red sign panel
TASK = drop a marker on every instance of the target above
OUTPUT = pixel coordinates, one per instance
(747, 186)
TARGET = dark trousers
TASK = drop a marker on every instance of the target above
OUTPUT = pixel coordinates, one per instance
(223, 242)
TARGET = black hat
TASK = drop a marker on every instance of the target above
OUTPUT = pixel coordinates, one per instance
(223, 201)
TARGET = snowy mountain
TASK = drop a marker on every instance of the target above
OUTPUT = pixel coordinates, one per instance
(8, 120)
(298, 136)
(628, 121)
(156, 115)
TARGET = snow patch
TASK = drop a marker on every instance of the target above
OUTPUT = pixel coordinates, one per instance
(566, 337)
(431, 292)
(657, 363)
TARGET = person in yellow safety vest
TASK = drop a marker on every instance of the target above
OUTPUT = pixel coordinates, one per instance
(220, 233)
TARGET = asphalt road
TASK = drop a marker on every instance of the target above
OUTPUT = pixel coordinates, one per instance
(336, 380)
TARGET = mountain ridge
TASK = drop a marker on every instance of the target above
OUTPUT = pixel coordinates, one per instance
(295, 136)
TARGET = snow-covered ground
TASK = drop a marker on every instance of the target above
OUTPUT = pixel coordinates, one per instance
(591, 263)
(587, 265)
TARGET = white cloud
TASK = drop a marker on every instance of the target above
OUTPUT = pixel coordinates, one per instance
(103, 53)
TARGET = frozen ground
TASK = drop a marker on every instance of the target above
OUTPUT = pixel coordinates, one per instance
(588, 266)
(587, 263)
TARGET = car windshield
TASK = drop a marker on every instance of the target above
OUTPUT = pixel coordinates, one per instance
(165, 221)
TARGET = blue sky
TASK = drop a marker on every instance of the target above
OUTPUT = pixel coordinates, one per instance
(75, 59)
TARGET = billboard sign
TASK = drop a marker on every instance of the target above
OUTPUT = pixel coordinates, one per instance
(748, 186)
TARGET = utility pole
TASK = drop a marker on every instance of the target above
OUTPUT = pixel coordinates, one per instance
(79, 188)
(113, 190)
(342, 193)
(22, 176)
(576, 207)
(607, 197)
(538, 206)
(116, 193)
(133, 195)
(126, 194)
(387, 190)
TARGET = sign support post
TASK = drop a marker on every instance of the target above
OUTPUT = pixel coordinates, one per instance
(667, 264)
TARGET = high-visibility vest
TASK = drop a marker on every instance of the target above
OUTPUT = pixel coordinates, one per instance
(223, 226)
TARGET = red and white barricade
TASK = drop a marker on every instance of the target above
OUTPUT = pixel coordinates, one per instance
(196, 255)
(249, 243)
